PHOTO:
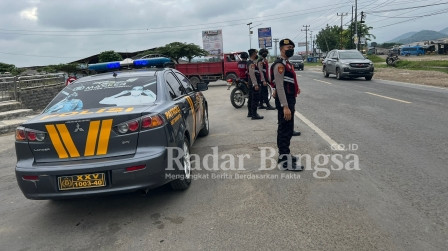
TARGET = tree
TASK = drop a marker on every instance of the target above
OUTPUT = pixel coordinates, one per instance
(178, 50)
(193, 50)
(374, 44)
(6, 67)
(329, 38)
(67, 68)
(363, 31)
(109, 56)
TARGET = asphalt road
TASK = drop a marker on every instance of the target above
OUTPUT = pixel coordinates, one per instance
(396, 199)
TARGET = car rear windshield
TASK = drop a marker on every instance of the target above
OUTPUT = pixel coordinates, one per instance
(296, 58)
(350, 55)
(125, 91)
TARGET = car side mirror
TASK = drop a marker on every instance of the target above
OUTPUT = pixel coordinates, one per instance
(202, 87)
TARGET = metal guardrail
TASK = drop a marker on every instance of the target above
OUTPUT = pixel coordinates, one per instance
(10, 85)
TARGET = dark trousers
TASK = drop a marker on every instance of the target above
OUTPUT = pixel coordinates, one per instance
(255, 100)
(285, 128)
(249, 101)
(264, 99)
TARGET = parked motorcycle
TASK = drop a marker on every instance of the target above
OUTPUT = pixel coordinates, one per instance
(392, 59)
(240, 93)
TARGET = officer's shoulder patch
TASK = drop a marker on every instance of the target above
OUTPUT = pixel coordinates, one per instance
(281, 69)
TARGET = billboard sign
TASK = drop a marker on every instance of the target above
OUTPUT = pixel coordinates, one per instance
(212, 41)
(265, 37)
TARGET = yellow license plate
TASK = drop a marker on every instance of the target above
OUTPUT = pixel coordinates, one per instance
(82, 181)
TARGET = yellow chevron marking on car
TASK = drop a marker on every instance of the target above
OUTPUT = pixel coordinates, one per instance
(67, 140)
(65, 147)
(190, 101)
(103, 141)
(94, 129)
(57, 143)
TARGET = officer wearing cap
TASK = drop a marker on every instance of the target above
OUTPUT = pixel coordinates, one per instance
(287, 89)
(263, 66)
(254, 83)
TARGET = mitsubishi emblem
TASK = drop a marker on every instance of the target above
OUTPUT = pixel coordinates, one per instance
(78, 128)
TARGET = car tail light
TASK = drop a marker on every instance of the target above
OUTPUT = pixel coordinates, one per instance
(20, 134)
(146, 122)
(23, 134)
(151, 122)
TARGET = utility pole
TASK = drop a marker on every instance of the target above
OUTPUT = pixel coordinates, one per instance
(306, 38)
(275, 48)
(351, 30)
(342, 17)
(311, 42)
(250, 38)
(356, 24)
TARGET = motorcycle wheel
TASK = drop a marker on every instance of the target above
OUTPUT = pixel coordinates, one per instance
(237, 98)
(269, 92)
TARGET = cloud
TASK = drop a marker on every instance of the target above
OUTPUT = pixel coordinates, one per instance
(29, 14)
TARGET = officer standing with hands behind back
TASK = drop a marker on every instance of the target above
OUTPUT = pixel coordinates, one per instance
(254, 83)
(263, 66)
(287, 89)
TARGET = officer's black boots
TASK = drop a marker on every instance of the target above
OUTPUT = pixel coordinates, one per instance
(257, 116)
(296, 133)
(270, 107)
(289, 163)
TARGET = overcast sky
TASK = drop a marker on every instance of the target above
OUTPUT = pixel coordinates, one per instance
(41, 32)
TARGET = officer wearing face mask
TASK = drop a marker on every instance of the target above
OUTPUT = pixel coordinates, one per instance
(287, 89)
(263, 66)
(254, 84)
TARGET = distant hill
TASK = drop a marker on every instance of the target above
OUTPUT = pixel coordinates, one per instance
(422, 36)
(444, 31)
(404, 36)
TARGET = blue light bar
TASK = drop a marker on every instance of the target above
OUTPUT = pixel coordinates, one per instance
(104, 66)
(151, 62)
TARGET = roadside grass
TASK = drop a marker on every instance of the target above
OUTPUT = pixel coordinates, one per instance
(376, 59)
(435, 65)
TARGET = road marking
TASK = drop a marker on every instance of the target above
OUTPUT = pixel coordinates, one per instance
(298, 75)
(328, 83)
(327, 138)
(398, 100)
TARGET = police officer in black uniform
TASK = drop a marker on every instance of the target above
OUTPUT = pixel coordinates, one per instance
(263, 66)
(242, 74)
(254, 83)
(287, 89)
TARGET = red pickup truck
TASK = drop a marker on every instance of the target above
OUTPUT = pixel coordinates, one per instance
(211, 71)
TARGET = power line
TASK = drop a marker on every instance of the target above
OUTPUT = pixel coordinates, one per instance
(407, 8)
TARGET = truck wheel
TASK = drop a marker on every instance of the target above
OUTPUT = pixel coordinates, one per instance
(237, 98)
(231, 75)
(194, 81)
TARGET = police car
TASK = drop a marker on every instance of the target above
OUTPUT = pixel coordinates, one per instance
(112, 133)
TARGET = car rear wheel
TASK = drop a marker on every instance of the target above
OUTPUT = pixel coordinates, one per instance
(205, 128)
(326, 74)
(184, 182)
